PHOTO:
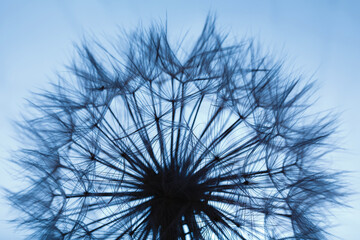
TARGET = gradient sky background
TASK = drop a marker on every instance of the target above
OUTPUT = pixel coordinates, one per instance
(319, 38)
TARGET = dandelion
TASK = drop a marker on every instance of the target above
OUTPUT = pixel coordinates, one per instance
(158, 142)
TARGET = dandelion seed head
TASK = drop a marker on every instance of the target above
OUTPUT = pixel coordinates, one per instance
(146, 144)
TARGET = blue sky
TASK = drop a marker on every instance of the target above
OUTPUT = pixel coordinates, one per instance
(317, 38)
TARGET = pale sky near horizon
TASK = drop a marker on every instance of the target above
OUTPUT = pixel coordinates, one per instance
(318, 38)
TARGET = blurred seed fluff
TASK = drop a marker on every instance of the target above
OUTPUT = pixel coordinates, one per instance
(150, 141)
